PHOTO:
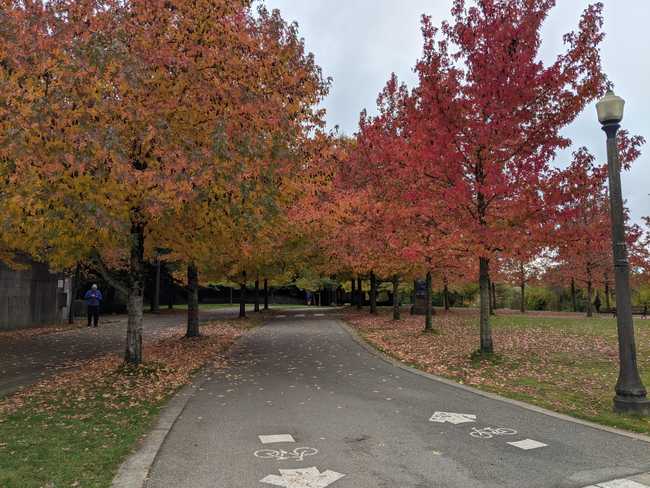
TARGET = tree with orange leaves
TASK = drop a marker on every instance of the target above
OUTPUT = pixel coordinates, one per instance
(121, 119)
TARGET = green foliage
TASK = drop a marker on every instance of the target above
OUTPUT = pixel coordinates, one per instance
(538, 298)
(312, 281)
(641, 296)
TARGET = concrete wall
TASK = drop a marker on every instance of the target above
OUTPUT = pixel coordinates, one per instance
(30, 297)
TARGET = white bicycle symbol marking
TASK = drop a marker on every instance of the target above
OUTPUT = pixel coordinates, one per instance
(489, 432)
(297, 454)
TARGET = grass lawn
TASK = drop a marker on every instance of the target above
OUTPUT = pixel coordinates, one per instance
(76, 428)
(63, 446)
(567, 363)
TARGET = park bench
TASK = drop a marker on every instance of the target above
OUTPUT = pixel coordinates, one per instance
(636, 310)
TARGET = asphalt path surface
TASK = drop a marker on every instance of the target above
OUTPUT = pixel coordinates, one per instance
(360, 422)
(26, 359)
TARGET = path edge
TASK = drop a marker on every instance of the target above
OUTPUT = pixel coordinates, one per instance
(493, 396)
(135, 469)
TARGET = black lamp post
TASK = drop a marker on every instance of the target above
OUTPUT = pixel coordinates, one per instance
(630, 392)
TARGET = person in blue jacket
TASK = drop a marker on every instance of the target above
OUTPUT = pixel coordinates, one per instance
(93, 298)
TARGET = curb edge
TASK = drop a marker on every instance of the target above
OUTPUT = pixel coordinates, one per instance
(493, 396)
(135, 469)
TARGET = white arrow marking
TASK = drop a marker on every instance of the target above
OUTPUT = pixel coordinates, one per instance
(452, 418)
(303, 478)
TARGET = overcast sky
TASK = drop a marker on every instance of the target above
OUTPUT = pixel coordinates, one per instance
(360, 42)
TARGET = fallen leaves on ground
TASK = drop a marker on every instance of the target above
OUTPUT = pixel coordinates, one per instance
(557, 368)
(170, 362)
(20, 334)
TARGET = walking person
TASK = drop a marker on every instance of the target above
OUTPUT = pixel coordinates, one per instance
(93, 298)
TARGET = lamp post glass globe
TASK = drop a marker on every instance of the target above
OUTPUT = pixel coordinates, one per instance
(610, 108)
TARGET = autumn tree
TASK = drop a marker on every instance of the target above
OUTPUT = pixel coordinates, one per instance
(115, 114)
(582, 237)
(487, 119)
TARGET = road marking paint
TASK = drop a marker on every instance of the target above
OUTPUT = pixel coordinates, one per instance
(489, 432)
(622, 483)
(297, 454)
(452, 418)
(281, 316)
(270, 439)
(528, 444)
(302, 478)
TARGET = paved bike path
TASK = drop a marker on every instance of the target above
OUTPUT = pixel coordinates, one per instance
(369, 423)
(25, 360)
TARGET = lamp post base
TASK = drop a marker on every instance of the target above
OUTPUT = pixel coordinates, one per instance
(632, 405)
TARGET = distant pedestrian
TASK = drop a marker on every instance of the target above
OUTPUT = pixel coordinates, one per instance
(93, 298)
(597, 303)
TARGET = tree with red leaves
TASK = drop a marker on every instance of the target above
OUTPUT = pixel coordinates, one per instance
(486, 118)
(582, 238)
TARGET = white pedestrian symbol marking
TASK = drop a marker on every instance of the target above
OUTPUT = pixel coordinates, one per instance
(302, 478)
(452, 418)
(297, 454)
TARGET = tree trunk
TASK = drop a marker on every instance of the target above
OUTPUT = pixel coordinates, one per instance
(428, 318)
(266, 294)
(486, 332)
(230, 288)
(242, 298)
(590, 293)
(445, 296)
(360, 297)
(396, 304)
(415, 287)
(494, 296)
(135, 299)
(490, 296)
(257, 295)
(353, 293)
(192, 301)
(170, 297)
(607, 302)
(155, 304)
(522, 287)
(373, 293)
(74, 288)
(574, 300)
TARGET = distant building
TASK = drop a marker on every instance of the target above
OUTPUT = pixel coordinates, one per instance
(32, 296)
